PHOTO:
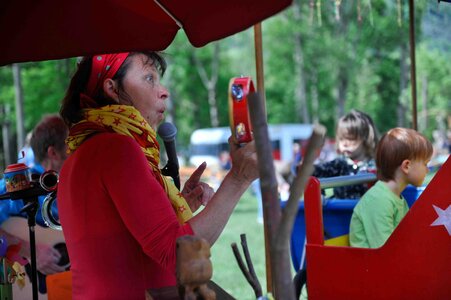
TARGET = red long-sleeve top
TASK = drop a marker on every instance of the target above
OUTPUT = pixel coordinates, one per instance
(119, 225)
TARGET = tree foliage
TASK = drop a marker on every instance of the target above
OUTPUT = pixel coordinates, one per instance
(332, 64)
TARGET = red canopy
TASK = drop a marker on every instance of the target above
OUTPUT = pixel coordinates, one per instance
(34, 30)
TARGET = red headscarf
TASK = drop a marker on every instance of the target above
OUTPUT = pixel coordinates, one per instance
(104, 66)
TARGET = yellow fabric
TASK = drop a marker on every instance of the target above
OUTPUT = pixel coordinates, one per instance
(342, 240)
(126, 120)
(20, 274)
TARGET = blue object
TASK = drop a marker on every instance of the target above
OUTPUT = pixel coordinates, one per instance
(412, 193)
(3, 246)
(336, 219)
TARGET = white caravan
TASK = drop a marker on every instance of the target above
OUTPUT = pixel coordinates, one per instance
(208, 143)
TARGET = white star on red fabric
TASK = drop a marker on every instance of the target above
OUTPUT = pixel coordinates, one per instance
(444, 218)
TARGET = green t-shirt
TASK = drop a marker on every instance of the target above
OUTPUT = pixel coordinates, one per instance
(376, 216)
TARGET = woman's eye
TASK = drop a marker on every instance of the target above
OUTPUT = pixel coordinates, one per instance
(149, 77)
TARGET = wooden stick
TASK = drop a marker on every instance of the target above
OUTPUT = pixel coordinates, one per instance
(413, 76)
(250, 266)
(268, 181)
(258, 44)
(283, 282)
(253, 281)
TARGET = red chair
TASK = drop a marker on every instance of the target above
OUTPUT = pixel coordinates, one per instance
(414, 263)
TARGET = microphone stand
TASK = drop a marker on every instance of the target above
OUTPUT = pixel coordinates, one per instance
(30, 199)
(31, 208)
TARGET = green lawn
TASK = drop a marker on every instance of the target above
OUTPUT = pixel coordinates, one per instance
(226, 272)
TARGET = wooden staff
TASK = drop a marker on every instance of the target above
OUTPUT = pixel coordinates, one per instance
(280, 246)
(268, 181)
(262, 101)
(413, 79)
(258, 44)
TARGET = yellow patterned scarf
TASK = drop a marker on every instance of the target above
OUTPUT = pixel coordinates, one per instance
(126, 120)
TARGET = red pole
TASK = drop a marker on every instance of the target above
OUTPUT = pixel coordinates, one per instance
(313, 212)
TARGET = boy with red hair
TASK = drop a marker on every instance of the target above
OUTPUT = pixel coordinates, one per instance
(402, 156)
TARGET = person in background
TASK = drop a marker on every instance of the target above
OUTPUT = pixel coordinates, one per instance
(283, 187)
(121, 217)
(225, 161)
(402, 158)
(356, 138)
(26, 156)
(47, 142)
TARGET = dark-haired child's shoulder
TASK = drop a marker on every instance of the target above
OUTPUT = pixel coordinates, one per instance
(343, 166)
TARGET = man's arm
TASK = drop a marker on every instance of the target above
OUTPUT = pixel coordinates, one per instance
(47, 257)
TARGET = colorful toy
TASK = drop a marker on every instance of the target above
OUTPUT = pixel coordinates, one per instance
(240, 124)
(17, 177)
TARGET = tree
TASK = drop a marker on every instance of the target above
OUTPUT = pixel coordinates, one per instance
(211, 81)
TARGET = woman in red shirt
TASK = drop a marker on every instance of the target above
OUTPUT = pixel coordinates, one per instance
(121, 217)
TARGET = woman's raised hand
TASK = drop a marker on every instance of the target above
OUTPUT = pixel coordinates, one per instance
(195, 192)
(244, 161)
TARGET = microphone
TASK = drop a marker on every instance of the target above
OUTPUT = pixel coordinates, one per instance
(167, 132)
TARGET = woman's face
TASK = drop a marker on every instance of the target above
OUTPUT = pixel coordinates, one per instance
(145, 92)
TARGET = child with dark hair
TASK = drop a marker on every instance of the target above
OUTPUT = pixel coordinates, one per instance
(401, 158)
(356, 138)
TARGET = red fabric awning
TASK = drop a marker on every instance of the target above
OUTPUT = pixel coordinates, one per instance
(33, 30)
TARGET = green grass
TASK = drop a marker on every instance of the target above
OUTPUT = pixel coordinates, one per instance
(226, 272)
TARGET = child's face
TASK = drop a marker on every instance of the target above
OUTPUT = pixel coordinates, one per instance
(417, 172)
(351, 147)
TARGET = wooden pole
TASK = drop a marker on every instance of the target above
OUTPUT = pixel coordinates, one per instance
(280, 248)
(5, 112)
(413, 75)
(268, 183)
(258, 44)
(19, 107)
